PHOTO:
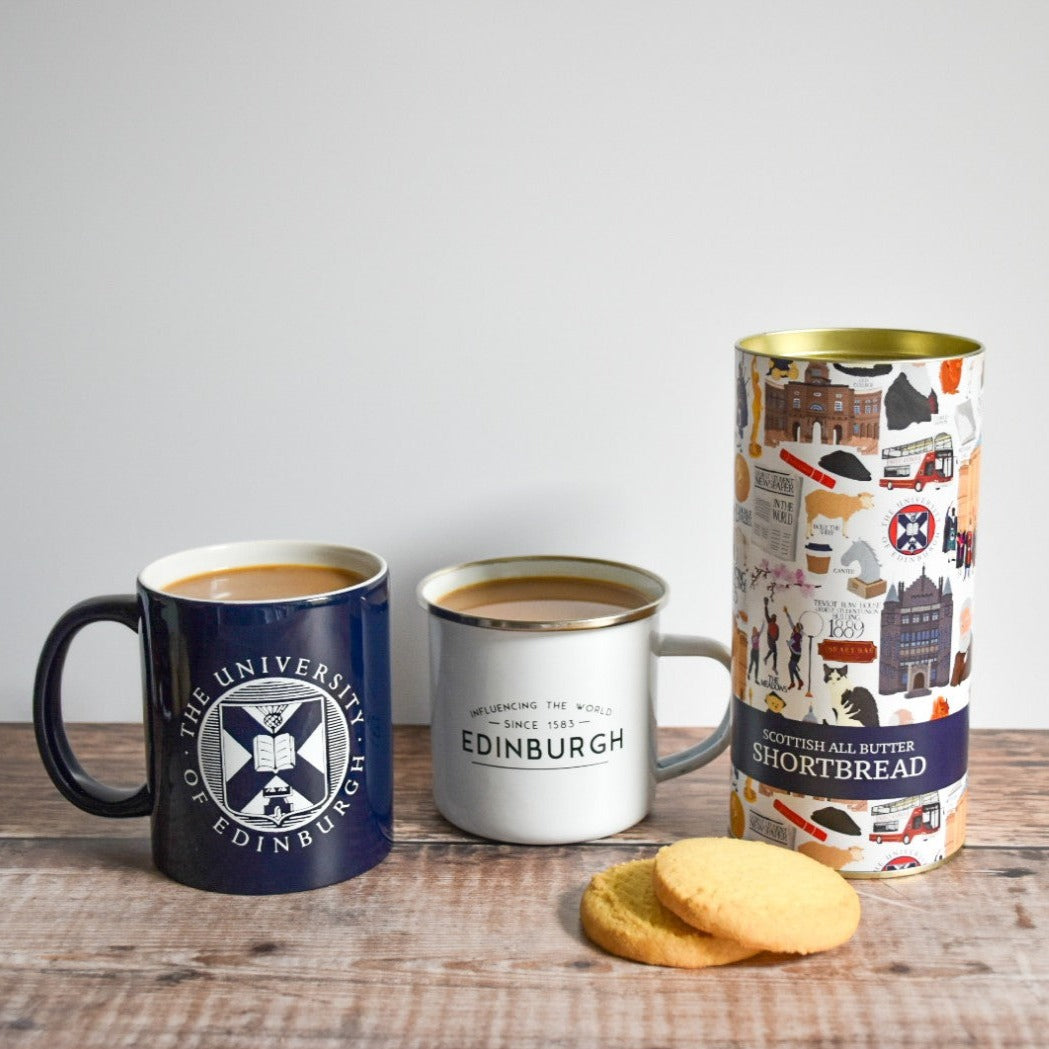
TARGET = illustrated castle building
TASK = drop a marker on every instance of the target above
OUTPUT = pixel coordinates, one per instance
(819, 411)
(916, 625)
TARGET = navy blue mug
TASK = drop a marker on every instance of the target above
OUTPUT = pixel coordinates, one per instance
(266, 685)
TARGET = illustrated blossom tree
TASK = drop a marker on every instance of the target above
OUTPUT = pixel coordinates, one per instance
(779, 577)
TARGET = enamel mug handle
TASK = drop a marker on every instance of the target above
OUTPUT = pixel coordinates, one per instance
(61, 763)
(707, 749)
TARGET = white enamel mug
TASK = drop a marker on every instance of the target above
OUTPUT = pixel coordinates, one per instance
(544, 733)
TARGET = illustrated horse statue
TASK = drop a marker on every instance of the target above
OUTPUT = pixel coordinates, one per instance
(862, 552)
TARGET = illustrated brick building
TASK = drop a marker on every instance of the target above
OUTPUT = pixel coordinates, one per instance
(969, 492)
(916, 625)
(819, 411)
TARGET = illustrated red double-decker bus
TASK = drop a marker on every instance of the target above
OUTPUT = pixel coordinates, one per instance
(918, 463)
(906, 819)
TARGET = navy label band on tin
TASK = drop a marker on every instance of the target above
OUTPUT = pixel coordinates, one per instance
(831, 761)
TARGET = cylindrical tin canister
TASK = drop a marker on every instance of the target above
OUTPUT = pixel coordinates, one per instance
(856, 515)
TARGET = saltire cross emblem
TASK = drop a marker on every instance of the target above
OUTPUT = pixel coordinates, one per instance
(910, 530)
(274, 758)
(273, 752)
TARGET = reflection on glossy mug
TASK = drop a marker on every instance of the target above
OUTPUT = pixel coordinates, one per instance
(543, 696)
(857, 478)
(267, 714)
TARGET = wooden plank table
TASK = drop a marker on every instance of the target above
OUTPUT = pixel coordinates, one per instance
(458, 942)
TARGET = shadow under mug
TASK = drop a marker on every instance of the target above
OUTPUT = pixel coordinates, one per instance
(545, 732)
(267, 722)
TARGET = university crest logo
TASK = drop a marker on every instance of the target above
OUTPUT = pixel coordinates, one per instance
(273, 752)
(911, 529)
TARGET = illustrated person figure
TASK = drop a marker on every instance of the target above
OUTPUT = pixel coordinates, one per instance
(950, 531)
(775, 703)
(772, 637)
(794, 648)
(970, 553)
(741, 401)
(755, 653)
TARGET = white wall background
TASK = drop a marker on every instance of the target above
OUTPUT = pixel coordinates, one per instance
(452, 280)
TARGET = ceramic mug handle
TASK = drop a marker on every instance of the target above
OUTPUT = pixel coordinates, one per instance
(68, 775)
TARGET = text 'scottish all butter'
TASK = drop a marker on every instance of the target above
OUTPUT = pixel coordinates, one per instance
(857, 476)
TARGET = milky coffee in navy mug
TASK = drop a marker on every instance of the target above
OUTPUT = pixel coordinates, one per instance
(268, 727)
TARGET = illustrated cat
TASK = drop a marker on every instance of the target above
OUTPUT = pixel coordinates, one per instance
(851, 706)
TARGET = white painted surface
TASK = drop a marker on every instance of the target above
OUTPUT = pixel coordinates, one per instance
(456, 280)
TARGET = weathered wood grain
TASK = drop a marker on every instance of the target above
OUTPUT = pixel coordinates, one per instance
(1007, 788)
(470, 945)
(461, 943)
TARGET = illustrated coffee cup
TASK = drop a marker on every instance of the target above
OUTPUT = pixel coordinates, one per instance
(543, 689)
(817, 556)
(267, 714)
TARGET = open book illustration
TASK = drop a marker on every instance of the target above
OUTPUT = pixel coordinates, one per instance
(274, 753)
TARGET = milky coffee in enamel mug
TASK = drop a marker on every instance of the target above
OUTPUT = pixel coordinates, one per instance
(543, 687)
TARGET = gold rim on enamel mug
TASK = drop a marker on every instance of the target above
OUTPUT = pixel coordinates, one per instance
(543, 674)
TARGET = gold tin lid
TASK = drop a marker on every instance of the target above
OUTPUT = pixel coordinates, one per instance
(870, 345)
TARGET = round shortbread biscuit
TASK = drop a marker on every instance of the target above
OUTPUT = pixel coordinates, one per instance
(759, 895)
(620, 913)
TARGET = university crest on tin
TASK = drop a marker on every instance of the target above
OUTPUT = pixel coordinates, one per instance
(911, 529)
